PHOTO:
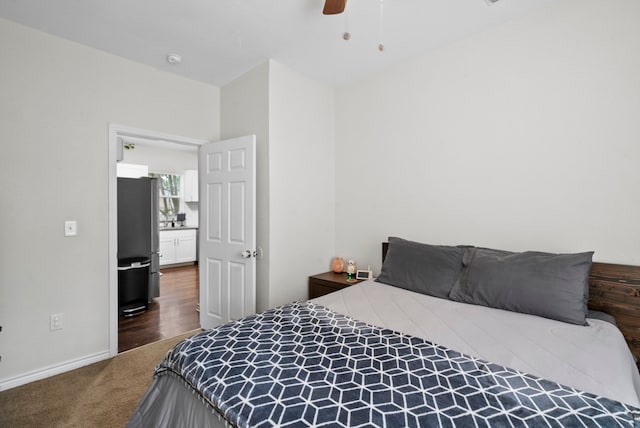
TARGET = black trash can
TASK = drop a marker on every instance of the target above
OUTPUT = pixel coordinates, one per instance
(133, 285)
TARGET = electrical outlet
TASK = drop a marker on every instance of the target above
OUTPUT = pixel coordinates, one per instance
(56, 321)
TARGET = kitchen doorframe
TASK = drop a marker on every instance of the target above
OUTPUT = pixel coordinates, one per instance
(116, 134)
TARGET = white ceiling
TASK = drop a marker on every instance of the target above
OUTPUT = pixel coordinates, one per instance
(220, 40)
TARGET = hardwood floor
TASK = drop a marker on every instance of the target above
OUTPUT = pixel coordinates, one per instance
(171, 314)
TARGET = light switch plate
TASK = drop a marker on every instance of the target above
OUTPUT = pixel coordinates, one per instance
(70, 228)
(56, 322)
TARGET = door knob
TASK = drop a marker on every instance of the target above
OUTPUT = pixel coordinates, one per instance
(247, 254)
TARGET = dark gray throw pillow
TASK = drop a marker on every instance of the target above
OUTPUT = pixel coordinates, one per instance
(423, 268)
(602, 316)
(549, 285)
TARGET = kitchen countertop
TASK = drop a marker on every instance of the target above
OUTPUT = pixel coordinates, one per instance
(178, 228)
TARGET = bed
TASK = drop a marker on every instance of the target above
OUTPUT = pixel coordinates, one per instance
(426, 344)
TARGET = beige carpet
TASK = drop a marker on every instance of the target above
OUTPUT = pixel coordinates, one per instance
(103, 394)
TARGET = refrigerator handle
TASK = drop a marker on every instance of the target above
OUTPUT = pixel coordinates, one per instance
(134, 266)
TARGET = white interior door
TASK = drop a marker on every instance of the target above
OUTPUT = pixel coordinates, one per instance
(227, 243)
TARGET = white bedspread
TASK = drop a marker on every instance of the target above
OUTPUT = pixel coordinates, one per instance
(592, 358)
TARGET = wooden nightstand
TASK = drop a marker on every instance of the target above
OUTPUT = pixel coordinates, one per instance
(328, 282)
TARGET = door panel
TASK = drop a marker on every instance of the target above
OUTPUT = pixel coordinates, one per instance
(227, 230)
(214, 162)
(236, 299)
(214, 289)
(237, 159)
(237, 213)
(214, 217)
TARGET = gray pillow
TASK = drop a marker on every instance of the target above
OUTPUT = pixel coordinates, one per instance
(602, 316)
(549, 285)
(423, 268)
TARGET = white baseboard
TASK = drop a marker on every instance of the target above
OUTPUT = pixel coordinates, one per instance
(52, 370)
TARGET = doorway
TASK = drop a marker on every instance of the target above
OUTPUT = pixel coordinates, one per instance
(117, 137)
(168, 315)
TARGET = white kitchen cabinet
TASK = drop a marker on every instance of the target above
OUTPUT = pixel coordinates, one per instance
(167, 248)
(177, 246)
(130, 170)
(186, 246)
(191, 185)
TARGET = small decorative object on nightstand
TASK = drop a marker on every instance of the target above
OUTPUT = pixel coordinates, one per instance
(351, 271)
(337, 265)
(328, 282)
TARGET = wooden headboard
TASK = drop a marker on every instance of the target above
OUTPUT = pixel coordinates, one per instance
(614, 289)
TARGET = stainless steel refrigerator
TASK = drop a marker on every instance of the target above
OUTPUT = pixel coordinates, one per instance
(138, 243)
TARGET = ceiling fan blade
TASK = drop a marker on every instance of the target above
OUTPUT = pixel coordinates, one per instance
(333, 7)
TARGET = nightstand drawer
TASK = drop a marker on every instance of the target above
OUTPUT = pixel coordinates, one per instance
(328, 282)
(317, 290)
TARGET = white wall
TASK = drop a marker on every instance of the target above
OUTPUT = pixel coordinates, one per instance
(57, 101)
(293, 119)
(301, 177)
(522, 137)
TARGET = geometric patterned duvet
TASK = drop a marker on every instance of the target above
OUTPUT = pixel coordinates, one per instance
(305, 365)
